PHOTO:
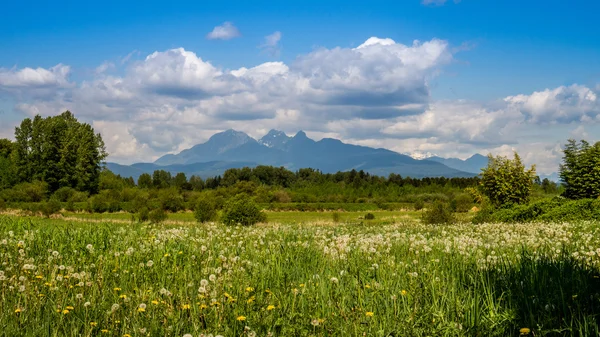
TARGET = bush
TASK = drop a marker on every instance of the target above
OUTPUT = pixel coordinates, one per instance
(171, 200)
(143, 214)
(205, 210)
(463, 203)
(64, 194)
(157, 216)
(369, 216)
(419, 204)
(243, 211)
(2, 205)
(438, 213)
(335, 216)
(50, 207)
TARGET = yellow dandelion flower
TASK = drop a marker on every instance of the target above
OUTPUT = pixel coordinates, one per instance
(524, 331)
(39, 277)
(301, 285)
(18, 310)
(140, 309)
(48, 284)
(250, 300)
(270, 307)
(249, 289)
(155, 302)
(403, 292)
(203, 306)
(65, 312)
(117, 289)
(186, 307)
(367, 286)
(369, 313)
(180, 252)
(70, 308)
(126, 335)
(41, 295)
(241, 318)
(268, 291)
(104, 331)
(123, 296)
(167, 255)
(93, 324)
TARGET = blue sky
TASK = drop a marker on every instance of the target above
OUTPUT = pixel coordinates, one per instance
(491, 50)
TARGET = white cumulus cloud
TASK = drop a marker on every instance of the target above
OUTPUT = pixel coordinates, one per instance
(226, 31)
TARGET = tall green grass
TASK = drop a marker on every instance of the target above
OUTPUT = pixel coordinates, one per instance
(61, 278)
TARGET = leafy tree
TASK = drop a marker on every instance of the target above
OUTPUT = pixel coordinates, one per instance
(161, 179)
(144, 181)
(6, 148)
(180, 181)
(60, 151)
(196, 183)
(580, 170)
(243, 211)
(505, 181)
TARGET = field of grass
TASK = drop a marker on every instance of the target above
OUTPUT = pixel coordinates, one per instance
(287, 217)
(402, 278)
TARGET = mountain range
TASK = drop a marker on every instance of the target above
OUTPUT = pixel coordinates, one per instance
(235, 149)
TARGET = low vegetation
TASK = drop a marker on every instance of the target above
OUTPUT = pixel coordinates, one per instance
(401, 279)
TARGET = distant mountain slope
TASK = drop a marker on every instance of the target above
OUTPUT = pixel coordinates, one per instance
(474, 164)
(232, 148)
(204, 170)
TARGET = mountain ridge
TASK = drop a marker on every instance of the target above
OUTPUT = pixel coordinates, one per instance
(234, 149)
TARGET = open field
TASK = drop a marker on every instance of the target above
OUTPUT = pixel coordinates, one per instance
(62, 278)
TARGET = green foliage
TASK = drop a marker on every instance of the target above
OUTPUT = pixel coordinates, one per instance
(556, 209)
(64, 194)
(505, 181)
(205, 210)
(336, 217)
(50, 207)
(243, 211)
(580, 170)
(2, 205)
(419, 204)
(157, 216)
(26, 192)
(144, 181)
(60, 151)
(143, 214)
(369, 216)
(438, 213)
(463, 203)
(171, 200)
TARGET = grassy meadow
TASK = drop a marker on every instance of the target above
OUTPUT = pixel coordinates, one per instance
(298, 276)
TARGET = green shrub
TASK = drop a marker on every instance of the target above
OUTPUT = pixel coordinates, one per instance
(157, 216)
(70, 206)
(143, 214)
(50, 207)
(419, 204)
(243, 211)
(64, 194)
(369, 216)
(2, 205)
(205, 210)
(335, 216)
(171, 200)
(438, 213)
(463, 203)
(484, 215)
